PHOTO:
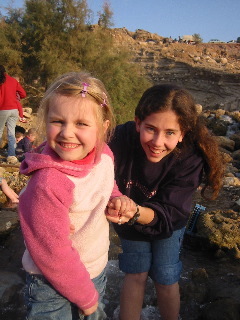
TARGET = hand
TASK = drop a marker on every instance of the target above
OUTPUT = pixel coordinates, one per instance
(9, 192)
(87, 312)
(121, 209)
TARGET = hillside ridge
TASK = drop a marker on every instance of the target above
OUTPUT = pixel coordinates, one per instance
(210, 71)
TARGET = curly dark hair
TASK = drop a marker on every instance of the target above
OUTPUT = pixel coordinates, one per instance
(165, 97)
(2, 74)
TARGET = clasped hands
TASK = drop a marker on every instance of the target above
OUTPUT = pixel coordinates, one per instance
(120, 209)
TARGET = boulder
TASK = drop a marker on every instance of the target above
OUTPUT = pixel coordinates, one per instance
(221, 229)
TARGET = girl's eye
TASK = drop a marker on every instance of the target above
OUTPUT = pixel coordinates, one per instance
(150, 129)
(80, 124)
(56, 121)
(170, 133)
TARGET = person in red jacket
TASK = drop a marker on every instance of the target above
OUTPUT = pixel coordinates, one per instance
(9, 88)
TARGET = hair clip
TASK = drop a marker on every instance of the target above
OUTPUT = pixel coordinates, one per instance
(104, 104)
(84, 91)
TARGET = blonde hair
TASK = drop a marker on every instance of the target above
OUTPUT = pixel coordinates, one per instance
(79, 84)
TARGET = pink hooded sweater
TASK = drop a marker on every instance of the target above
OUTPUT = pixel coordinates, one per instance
(60, 193)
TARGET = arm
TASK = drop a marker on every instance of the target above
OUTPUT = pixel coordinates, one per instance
(8, 191)
(20, 109)
(172, 203)
(45, 223)
(21, 91)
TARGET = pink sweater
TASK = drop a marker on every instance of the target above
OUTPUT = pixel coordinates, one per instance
(60, 193)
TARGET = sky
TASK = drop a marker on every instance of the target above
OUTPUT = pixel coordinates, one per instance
(211, 19)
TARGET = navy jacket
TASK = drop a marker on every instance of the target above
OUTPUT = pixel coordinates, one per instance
(166, 187)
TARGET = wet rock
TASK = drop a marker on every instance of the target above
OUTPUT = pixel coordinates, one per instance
(8, 283)
(224, 309)
(197, 288)
(8, 221)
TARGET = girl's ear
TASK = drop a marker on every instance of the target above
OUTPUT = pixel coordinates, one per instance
(138, 123)
(181, 137)
(106, 125)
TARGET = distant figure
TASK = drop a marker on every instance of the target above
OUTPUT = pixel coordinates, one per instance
(19, 136)
(26, 144)
(9, 87)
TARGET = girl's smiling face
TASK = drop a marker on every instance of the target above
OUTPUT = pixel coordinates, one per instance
(159, 134)
(72, 128)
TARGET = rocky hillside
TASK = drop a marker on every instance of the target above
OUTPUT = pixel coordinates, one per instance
(211, 72)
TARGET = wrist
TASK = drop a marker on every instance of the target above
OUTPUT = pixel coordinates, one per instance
(135, 216)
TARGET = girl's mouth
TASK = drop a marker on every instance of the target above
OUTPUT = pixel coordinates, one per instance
(156, 151)
(68, 145)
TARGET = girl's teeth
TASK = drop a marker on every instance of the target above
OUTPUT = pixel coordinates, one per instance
(68, 146)
(155, 151)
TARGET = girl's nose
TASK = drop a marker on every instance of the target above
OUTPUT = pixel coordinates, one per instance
(67, 131)
(158, 140)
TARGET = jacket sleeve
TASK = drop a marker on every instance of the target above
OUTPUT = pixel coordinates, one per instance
(21, 91)
(27, 146)
(173, 200)
(43, 210)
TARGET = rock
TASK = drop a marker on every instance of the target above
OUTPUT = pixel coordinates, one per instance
(199, 276)
(231, 182)
(236, 155)
(220, 112)
(222, 229)
(27, 111)
(236, 138)
(224, 309)
(8, 221)
(199, 108)
(226, 143)
(8, 283)
(217, 126)
(236, 115)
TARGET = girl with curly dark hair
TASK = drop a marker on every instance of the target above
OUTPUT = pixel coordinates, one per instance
(160, 161)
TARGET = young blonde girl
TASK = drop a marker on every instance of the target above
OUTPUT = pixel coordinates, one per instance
(72, 179)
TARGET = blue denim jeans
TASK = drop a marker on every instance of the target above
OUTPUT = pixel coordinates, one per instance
(160, 258)
(9, 117)
(45, 303)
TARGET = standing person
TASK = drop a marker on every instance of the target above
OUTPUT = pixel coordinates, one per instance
(160, 160)
(9, 88)
(72, 179)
